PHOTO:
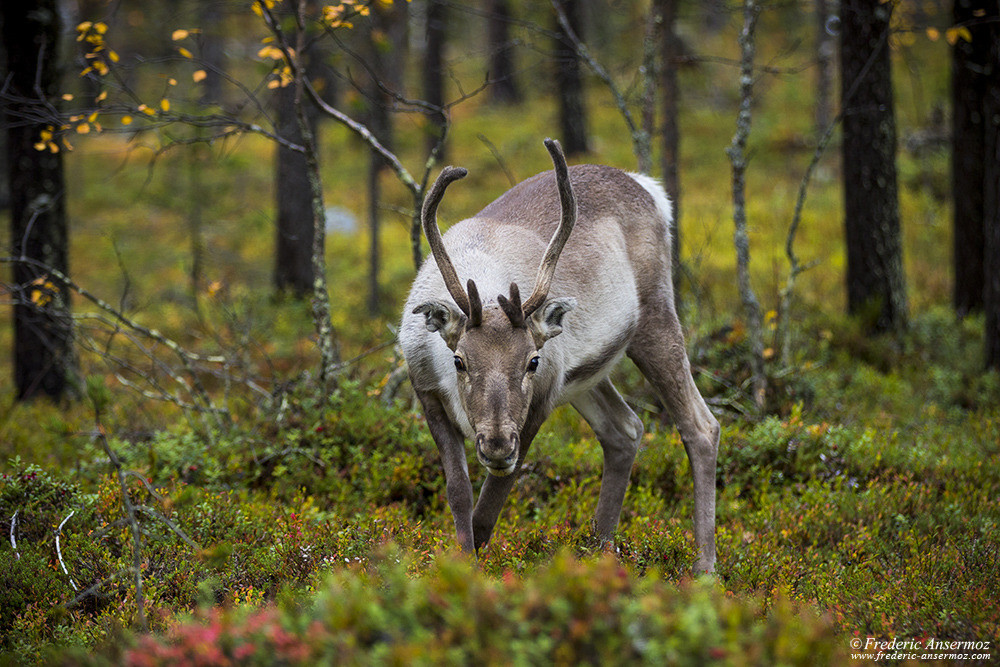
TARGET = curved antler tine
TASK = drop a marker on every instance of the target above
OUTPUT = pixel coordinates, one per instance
(567, 202)
(475, 305)
(428, 218)
(512, 307)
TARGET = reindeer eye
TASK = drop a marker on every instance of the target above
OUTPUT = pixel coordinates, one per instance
(533, 364)
(459, 364)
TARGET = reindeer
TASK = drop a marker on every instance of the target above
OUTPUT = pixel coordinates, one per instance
(493, 371)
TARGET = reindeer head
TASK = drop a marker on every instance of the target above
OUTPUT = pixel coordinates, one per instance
(497, 346)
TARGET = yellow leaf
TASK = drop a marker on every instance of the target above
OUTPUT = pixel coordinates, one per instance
(272, 52)
(103, 96)
(83, 128)
(179, 34)
(92, 117)
(171, 81)
(957, 32)
(199, 75)
(67, 97)
(184, 52)
(112, 56)
(165, 104)
(40, 146)
(126, 120)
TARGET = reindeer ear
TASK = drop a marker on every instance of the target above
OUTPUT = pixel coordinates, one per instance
(546, 322)
(444, 318)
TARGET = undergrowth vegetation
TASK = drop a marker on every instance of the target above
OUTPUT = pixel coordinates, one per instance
(303, 529)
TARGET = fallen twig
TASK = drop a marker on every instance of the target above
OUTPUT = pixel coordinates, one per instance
(59, 550)
(13, 541)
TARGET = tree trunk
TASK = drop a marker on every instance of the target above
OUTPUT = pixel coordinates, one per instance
(826, 47)
(569, 82)
(293, 269)
(969, 64)
(876, 286)
(294, 272)
(991, 198)
(671, 155)
(433, 72)
(386, 55)
(213, 52)
(503, 83)
(741, 238)
(43, 350)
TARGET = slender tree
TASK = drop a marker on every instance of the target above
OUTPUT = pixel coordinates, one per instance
(433, 70)
(39, 235)
(671, 142)
(293, 269)
(569, 81)
(826, 48)
(876, 287)
(741, 240)
(386, 49)
(212, 51)
(504, 88)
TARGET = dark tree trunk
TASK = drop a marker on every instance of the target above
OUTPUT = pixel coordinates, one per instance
(876, 286)
(293, 269)
(433, 71)
(503, 84)
(569, 82)
(294, 272)
(670, 159)
(4, 170)
(991, 197)
(212, 51)
(43, 356)
(385, 61)
(969, 65)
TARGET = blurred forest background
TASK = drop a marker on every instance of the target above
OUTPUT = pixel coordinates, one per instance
(213, 225)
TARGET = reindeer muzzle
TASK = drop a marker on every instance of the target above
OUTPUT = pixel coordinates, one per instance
(498, 453)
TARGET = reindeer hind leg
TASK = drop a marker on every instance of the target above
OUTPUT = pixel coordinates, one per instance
(658, 351)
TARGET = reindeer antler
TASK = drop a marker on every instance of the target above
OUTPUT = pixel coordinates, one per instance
(568, 204)
(428, 218)
(512, 307)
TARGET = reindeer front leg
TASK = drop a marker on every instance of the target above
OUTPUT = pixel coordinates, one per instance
(619, 430)
(496, 489)
(451, 444)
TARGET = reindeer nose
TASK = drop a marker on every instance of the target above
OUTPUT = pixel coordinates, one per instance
(498, 453)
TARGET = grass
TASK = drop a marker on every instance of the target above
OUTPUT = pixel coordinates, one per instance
(865, 503)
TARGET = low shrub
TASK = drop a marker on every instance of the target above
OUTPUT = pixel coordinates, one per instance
(569, 612)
